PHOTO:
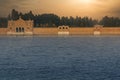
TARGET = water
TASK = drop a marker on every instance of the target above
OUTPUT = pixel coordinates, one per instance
(60, 58)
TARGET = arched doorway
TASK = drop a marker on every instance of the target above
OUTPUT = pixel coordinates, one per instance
(20, 29)
(17, 30)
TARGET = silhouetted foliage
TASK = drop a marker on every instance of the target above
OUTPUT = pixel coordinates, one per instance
(78, 21)
(3, 22)
(64, 21)
(47, 20)
(52, 20)
(110, 21)
(27, 16)
(14, 15)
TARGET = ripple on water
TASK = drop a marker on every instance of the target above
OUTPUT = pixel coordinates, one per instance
(60, 58)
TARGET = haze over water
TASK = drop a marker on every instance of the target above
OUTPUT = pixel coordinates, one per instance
(60, 58)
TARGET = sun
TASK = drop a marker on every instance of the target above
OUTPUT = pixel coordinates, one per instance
(85, 1)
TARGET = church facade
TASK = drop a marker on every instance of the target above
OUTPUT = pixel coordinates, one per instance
(20, 26)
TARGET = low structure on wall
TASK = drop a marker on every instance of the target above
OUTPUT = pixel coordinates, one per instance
(97, 29)
(23, 27)
(63, 30)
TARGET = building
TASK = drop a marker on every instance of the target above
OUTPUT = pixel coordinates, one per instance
(26, 27)
(20, 26)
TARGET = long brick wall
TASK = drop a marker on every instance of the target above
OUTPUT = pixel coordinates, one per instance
(45, 31)
(3, 31)
(81, 31)
(78, 31)
(110, 31)
(72, 31)
(54, 31)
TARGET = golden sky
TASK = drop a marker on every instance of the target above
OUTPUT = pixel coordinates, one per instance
(91, 8)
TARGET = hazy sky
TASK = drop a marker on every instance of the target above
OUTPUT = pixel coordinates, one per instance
(92, 8)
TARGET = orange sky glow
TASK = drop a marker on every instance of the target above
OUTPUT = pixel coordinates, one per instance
(92, 8)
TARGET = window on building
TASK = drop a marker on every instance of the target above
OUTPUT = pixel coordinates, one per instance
(22, 30)
(17, 30)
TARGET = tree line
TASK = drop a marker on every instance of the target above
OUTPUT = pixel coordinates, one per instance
(53, 20)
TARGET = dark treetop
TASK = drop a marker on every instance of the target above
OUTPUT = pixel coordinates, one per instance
(52, 20)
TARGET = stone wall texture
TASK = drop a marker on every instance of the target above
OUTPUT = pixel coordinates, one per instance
(45, 31)
(72, 31)
(81, 31)
(110, 31)
(3, 31)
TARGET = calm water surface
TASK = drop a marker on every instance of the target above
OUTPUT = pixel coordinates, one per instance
(60, 58)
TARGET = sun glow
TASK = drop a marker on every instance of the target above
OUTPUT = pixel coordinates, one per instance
(82, 2)
(85, 1)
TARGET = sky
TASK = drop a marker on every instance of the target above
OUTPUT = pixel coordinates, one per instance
(92, 8)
